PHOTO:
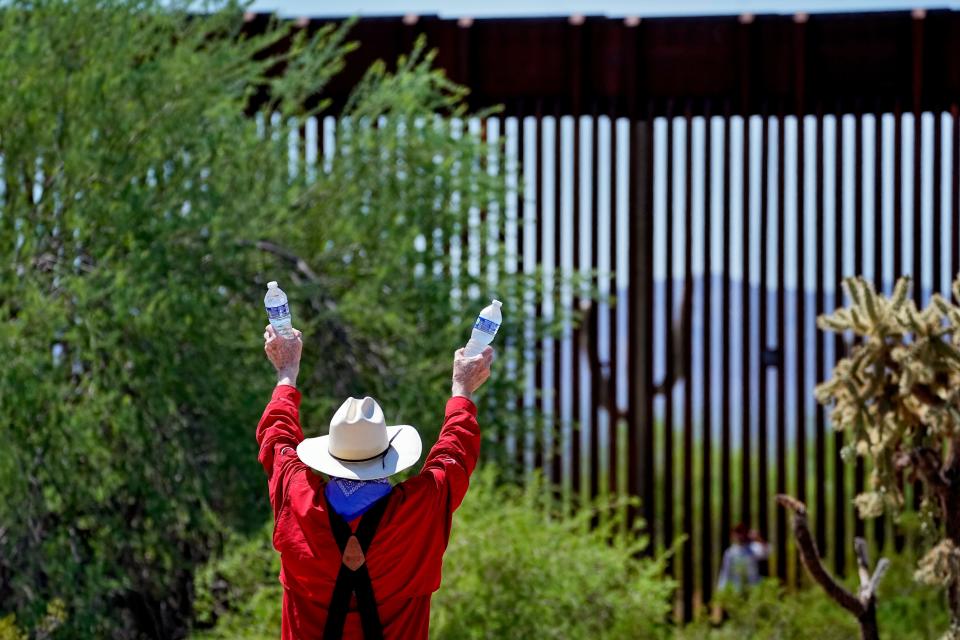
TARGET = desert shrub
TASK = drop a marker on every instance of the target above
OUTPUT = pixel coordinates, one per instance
(906, 610)
(896, 396)
(769, 612)
(239, 593)
(514, 569)
(53, 619)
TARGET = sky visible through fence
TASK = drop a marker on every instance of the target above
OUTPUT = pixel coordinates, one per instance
(613, 212)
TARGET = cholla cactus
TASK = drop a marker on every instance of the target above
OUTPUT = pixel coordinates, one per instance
(897, 395)
(940, 565)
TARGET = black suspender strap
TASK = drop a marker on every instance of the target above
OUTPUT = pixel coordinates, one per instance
(354, 576)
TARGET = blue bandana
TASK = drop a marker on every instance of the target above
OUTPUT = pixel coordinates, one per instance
(352, 498)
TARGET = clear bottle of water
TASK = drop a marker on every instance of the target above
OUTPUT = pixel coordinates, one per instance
(484, 329)
(278, 310)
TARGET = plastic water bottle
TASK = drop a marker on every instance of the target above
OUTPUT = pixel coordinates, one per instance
(278, 310)
(486, 326)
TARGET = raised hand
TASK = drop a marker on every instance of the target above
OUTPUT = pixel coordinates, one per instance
(469, 373)
(284, 354)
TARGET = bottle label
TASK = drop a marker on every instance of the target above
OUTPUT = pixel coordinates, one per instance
(487, 326)
(275, 313)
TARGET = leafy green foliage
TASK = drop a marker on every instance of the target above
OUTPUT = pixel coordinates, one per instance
(238, 593)
(767, 612)
(9, 629)
(152, 182)
(514, 569)
(905, 610)
(48, 625)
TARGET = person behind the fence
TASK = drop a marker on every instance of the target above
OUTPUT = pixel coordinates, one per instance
(740, 567)
(359, 557)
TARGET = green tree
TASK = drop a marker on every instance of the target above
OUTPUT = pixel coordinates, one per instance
(150, 188)
(897, 396)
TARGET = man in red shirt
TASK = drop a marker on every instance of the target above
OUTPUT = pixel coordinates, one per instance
(361, 558)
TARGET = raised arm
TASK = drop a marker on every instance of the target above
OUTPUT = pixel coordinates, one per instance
(279, 432)
(452, 459)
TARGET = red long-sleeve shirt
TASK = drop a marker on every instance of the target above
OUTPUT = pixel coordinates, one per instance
(405, 556)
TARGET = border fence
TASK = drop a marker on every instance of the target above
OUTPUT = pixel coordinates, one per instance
(720, 176)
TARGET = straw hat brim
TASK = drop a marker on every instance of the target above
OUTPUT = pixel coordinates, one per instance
(404, 452)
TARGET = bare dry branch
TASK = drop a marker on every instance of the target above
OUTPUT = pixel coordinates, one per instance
(863, 608)
(863, 564)
(811, 558)
(953, 457)
(792, 503)
(300, 264)
(928, 465)
(882, 565)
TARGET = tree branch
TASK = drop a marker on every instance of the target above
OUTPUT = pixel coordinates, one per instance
(928, 465)
(811, 558)
(882, 565)
(337, 331)
(924, 394)
(952, 464)
(300, 264)
(868, 582)
(863, 563)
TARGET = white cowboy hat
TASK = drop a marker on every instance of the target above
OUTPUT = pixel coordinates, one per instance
(360, 445)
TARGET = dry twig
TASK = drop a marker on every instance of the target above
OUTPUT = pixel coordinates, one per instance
(864, 605)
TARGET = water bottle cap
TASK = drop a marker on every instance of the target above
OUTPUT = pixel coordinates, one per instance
(272, 284)
(497, 304)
